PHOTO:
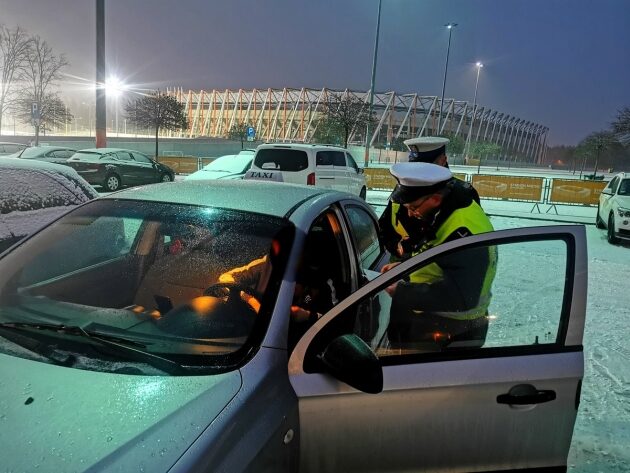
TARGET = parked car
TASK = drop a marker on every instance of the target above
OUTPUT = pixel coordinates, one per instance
(49, 154)
(116, 322)
(10, 148)
(33, 194)
(613, 210)
(233, 166)
(113, 168)
(324, 166)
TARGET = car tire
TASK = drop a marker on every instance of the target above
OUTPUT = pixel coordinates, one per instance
(112, 183)
(612, 239)
(598, 220)
(363, 193)
(166, 177)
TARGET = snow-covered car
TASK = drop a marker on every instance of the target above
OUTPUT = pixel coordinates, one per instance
(7, 148)
(33, 193)
(613, 210)
(330, 167)
(113, 168)
(49, 154)
(233, 166)
(131, 340)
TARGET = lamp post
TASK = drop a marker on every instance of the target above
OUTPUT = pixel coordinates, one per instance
(474, 113)
(450, 27)
(367, 128)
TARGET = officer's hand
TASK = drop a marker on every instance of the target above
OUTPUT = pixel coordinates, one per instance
(389, 266)
(392, 289)
(298, 314)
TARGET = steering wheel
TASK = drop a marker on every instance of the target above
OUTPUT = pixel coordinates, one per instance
(232, 290)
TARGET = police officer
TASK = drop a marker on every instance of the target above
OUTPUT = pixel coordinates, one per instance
(426, 149)
(451, 295)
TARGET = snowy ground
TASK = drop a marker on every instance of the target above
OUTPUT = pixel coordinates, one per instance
(601, 439)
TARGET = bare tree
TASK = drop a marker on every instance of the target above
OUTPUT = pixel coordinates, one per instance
(53, 112)
(157, 111)
(621, 125)
(594, 145)
(343, 114)
(42, 71)
(14, 48)
(238, 131)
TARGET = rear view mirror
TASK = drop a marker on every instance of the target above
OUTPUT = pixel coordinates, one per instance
(349, 359)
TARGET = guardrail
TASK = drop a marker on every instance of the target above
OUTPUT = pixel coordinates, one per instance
(184, 164)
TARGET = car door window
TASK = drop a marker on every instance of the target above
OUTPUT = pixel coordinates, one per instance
(365, 235)
(339, 159)
(324, 158)
(141, 158)
(615, 184)
(62, 153)
(123, 156)
(352, 163)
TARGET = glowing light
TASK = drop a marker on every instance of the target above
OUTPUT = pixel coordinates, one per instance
(114, 86)
(479, 65)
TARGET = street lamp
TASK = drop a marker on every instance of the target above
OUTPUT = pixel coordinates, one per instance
(367, 128)
(450, 27)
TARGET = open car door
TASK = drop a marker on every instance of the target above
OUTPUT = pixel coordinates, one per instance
(501, 396)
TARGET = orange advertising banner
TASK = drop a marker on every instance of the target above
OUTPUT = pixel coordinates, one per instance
(379, 178)
(508, 187)
(568, 191)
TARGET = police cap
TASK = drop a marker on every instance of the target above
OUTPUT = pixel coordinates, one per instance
(416, 180)
(426, 149)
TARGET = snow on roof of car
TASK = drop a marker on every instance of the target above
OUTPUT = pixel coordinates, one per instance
(106, 150)
(13, 163)
(268, 198)
(301, 146)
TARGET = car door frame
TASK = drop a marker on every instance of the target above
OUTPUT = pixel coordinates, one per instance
(150, 174)
(355, 179)
(605, 198)
(320, 393)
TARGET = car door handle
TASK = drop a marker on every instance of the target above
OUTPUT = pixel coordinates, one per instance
(327, 178)
(524, 394)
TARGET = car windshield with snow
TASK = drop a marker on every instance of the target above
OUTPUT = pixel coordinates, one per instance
(264, 324)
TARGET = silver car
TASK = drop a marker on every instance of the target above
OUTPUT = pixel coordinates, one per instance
(159, 329)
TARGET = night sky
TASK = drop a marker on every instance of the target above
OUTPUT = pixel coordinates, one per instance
(564, 64)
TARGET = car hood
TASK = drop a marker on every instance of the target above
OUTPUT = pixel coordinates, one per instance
(204, 174)
(54, 418)
(623, 201)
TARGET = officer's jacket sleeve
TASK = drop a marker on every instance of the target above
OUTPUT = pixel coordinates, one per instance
(388, 236)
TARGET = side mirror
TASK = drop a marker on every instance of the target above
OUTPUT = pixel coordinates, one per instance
(361, 171)
(349, 359)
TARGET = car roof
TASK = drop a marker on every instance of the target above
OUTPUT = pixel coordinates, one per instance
(302, 146)
(107, 150)
(14, 163)
(269, 198)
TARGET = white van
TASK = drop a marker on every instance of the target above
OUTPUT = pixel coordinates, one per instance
(326, 166)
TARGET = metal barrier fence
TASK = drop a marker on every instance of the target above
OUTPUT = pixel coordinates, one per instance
(537, 190)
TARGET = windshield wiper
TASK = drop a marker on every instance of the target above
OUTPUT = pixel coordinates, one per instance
(120, 344)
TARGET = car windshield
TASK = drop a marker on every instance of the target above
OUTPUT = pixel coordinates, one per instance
(624, 187)
(150, 275)
(31, 153)
(236, 163)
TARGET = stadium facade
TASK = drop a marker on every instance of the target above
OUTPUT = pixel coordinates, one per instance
(293, 115)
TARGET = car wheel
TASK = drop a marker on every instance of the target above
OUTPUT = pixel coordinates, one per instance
(363, 193)
(612, 239)
(166, 178)
(112, 183)
(598, 220)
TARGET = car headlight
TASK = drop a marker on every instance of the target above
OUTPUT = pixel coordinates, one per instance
(623, 212)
